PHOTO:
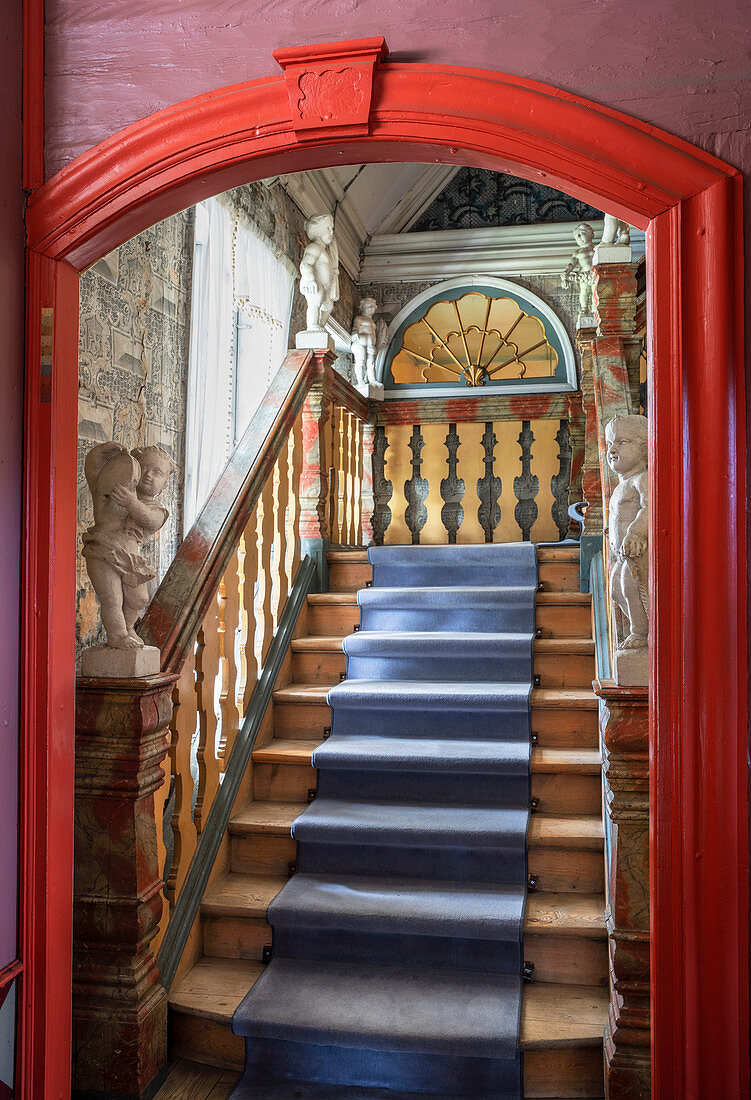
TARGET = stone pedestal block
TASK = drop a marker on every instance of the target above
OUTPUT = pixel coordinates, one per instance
(119, 1008)
(315, 341)
(104, 661)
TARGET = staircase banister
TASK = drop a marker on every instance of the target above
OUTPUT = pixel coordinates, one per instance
(344, 394)
(180, 603)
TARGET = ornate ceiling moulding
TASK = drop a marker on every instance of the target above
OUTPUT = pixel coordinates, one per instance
(330, 85)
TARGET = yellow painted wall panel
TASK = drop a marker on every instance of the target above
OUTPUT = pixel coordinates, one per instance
(470, 467)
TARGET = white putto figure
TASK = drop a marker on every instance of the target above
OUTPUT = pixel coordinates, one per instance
(628, 526)
(366, 341)
(615, 231)
(579, 267)
(124, 486)
(319, 271)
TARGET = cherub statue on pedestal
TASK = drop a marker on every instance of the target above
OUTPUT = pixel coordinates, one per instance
(319, 271)
(615, 231)
(124, 486)
(628, 528)
(579, 268)
(367, 340)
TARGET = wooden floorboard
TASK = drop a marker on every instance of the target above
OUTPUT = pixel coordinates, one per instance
(192, 1081)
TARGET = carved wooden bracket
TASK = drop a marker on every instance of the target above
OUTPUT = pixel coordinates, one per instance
(330, 85)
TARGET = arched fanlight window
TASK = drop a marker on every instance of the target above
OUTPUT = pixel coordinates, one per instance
(470, 333)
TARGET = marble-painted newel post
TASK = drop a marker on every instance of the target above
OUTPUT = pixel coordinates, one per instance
(591, 482)
(367, 495)
(119, 1007)
(314, 476)
(624, 725)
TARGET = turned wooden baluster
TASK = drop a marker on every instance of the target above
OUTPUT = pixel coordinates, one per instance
(182, 732)
(358, 479)
(207, 671)
(349, 481)
(367, 496)
(230, 672)
(249, 574)
(280, 536)
(335, 453)
(295, 507)
(266, 617)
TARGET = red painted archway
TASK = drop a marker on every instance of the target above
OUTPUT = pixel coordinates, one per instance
(690, 204)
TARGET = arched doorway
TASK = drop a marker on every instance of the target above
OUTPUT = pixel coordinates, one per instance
(689, 203)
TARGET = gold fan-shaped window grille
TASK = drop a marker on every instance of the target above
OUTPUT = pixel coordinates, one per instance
(474, 339)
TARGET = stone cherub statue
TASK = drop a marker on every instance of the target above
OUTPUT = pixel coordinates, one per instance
(124, 486)
(628, 527)
(368, 337)
(319, 271)
(579, 268)
(615, 231)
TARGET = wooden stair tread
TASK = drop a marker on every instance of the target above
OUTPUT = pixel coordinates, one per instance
(565, 915)
(282, 750)
(563, 1015)
(552, 1015)
(566, 698)
(575, 761)
(274, 818)
(318, 599)
(214, 988)
(550, 646)
(545, 830)
(574, 915)
(565, 831)
(239, 895)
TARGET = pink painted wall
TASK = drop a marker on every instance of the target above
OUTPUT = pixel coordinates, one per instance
(11, 394)
(680, 64)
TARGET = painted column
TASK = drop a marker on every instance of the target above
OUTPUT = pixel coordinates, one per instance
(119, 1008)
(624, 724)
(314, 478)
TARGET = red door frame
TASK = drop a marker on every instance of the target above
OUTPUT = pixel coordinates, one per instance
(690, 204)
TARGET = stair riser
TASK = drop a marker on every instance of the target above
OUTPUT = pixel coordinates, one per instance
(555, 576)
(568, 793)
(554, 620)
(567, 959)
(554, 727)
(566, 871)
(559, 869)
(262, 854)
(575, 1073)
(572, 671)
(235, 937)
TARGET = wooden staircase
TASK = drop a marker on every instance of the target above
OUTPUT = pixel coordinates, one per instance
(565, 1006)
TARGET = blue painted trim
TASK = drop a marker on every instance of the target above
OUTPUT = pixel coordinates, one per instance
(600, 617)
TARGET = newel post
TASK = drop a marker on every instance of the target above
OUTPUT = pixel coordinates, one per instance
(367, 495)
(119, 1007)
(314, 477)
(624, 724)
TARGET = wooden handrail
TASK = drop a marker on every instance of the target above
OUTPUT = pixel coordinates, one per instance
(182, 599)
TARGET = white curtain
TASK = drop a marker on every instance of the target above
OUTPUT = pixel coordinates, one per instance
(263, 288)
(242, 295)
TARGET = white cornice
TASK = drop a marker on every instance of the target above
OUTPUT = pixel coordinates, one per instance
(420, 195)
(505, 251)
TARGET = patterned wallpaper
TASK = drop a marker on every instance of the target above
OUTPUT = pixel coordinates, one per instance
(479, 199)
(133, 363)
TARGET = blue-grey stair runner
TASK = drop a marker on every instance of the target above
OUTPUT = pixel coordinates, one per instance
(396, 968)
